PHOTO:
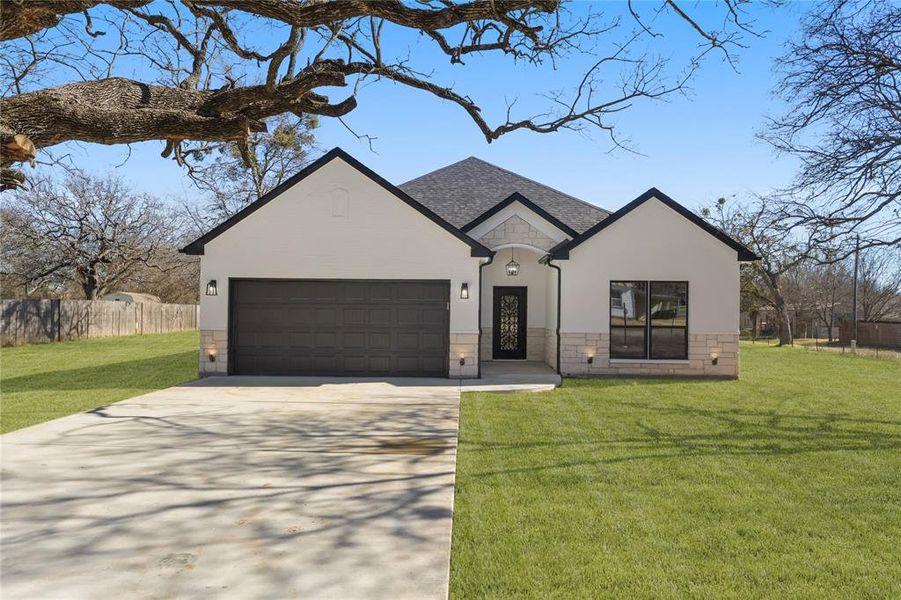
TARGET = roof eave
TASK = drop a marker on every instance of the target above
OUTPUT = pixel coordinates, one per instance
(517, 197)
(196, 247)
(561, 252)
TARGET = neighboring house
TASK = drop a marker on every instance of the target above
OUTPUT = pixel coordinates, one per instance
(339, 272)
(131, 297)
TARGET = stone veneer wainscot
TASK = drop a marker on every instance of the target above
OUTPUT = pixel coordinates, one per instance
(215, 340)
(577, 347)
(465, 345)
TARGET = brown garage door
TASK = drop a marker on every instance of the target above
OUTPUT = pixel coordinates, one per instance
(322, 327)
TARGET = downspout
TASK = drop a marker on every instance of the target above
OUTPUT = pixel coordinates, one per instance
(559, 304)
(479, 349)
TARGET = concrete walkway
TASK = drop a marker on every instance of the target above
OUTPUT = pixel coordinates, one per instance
(513, 376)
(236, 488)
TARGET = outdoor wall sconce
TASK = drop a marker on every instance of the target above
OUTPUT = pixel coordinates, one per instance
(212, 354)
(211, 288)
(462, 361)
(590, 360)
(512, 266)
(464, 291)
(714, 358)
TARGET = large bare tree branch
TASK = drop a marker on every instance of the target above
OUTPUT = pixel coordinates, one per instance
(208, 78)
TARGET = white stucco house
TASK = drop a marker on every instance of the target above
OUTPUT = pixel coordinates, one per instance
(339, 272)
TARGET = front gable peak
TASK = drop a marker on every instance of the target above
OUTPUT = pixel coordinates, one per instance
(562, 250)
(517, 231)
(197, 246)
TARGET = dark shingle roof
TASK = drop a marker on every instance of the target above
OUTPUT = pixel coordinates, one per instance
(464, 190)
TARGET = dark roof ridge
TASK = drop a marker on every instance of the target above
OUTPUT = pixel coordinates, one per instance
(515, 174)
(544, 185)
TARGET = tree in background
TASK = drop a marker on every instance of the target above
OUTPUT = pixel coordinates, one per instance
(821, 292)
(798, 276)
(879, 286)
(780, 250)
(230, 184)
(85, 237)
(751, 302)
(207, 73)
(842, 80)
(176, 284)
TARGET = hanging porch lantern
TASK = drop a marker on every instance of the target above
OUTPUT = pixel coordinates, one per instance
(512, 266)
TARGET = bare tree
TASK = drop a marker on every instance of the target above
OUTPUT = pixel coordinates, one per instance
(821, 291)
(175, 282)
(750, 300)
(218, 169)
(89, 233)
(879, 284)
(781, 250)
(842, 80)
(208, 75)
(830, 290)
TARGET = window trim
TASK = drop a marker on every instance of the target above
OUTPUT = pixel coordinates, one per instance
(648, 326)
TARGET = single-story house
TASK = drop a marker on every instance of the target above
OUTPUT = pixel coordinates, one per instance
(339, 272)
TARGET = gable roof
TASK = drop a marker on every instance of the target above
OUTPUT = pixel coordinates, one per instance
(196, 247)
(562, 250)
(463, 191)
(517, 197)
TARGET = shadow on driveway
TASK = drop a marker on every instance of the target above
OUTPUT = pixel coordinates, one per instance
(333, 491)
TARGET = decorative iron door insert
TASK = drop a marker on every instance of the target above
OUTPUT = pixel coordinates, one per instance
(509, 337)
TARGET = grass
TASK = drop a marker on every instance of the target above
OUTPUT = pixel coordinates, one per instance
(40, 382)
(786, 483)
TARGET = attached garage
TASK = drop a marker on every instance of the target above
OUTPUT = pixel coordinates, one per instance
(337, 272)
(339, 327)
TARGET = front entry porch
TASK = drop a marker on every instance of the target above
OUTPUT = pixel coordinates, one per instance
(512, 373)
(519, 308)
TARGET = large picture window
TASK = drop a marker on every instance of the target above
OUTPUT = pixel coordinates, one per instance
(649, 319)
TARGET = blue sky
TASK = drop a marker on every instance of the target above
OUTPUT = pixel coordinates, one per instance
(695, 147)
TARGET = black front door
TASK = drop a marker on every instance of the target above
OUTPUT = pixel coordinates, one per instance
(509, 338)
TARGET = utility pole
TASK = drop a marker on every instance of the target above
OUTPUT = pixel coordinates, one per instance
(854, 298)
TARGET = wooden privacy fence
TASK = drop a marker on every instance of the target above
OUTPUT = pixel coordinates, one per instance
(880, 334)
(29, 321)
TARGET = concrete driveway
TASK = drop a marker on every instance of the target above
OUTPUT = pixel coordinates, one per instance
(239, 489)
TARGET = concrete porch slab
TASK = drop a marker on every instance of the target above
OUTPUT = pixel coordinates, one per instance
(513, 376)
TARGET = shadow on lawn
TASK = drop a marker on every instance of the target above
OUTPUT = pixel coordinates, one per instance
(146, 372)
(613, 381)
(733, 432)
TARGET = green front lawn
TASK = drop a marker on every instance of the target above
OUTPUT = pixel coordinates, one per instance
(786, 483)
(40, 382)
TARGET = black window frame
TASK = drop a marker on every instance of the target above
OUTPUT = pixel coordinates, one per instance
(648, 327)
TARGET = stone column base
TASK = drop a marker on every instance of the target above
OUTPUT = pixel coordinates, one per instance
(215, 342)
(464, 345)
